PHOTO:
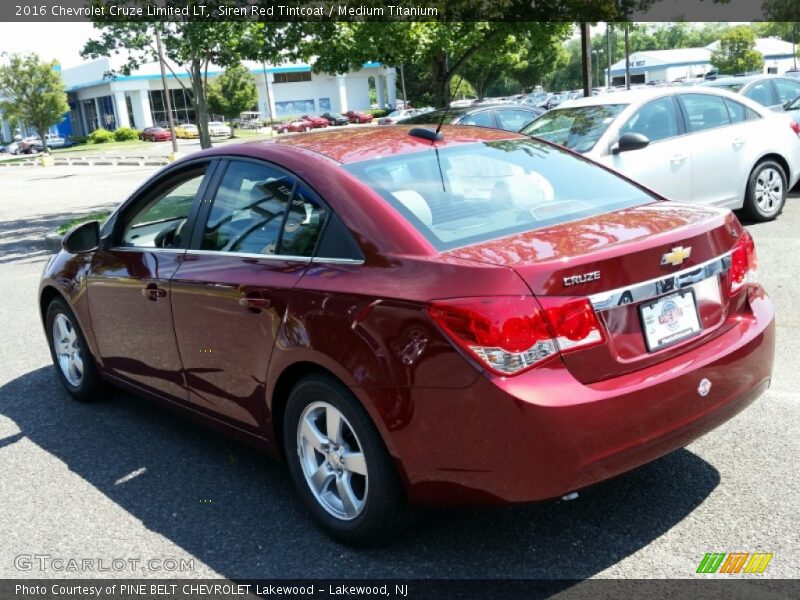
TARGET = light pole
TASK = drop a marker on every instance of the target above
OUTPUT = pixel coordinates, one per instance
(596, 55)
(167, 99)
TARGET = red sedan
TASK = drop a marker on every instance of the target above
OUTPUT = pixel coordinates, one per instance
(408, 317)
(356, 116)
(295, 126)
(316, 122)
(156, 134)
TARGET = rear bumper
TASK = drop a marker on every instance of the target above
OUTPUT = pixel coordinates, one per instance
(544, 434)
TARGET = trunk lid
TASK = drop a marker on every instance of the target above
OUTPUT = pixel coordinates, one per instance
(625, 261)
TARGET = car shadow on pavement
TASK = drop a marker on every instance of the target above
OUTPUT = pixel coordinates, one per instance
(236, 511)
(23, 239)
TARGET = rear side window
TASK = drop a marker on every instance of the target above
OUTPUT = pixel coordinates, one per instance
(513, 119)
(470, 193)
(261, 210)
(704, 112)
(739, 112)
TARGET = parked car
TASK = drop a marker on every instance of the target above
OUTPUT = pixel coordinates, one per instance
(187, 131)
(439, 328)
(697, 144)
(356, 116)
(768, 90)
(398, 115)
(156, 134)
(335, 118)
(316, 121)
(296, 126)
(218, 129)
(509, 117)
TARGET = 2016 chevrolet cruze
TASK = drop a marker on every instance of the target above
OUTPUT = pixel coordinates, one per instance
(408, 317)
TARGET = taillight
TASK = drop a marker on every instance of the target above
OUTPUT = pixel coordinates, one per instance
(795, 127)
(510, 334)
(743, 262)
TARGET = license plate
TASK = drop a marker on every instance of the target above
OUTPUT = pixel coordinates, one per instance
(669, 320)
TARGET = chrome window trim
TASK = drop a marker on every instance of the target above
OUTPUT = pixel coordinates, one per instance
(653, 288)
(146, 249)
(337, 261)
(283, 257)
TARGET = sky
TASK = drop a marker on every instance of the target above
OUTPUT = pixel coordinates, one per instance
(52, 41)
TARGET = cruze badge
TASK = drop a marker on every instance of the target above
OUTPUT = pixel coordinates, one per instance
(582, 278)
(676, 256)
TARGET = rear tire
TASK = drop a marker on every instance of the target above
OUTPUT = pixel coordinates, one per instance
(766, 191)
(346, 476)
(72, 359)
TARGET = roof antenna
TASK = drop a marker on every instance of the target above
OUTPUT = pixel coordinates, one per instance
(449, 99)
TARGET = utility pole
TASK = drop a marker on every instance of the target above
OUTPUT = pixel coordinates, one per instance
(266, 89)
(608, 53)
(403, 84)
(627, 60)
(586, 56)
(167, 98)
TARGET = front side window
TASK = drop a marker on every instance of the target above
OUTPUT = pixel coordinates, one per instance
(656, 120)
(761, 93)
(576, 128)
(704, 111)
(470, 193)
(261, 210)
(787, 90)
(161, 221)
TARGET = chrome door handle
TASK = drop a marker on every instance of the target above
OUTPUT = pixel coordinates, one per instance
(738, 142)
(677, 158)
(255, 303)
(153, 292)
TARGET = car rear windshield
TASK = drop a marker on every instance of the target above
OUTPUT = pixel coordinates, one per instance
(578, 128)
(471, 193)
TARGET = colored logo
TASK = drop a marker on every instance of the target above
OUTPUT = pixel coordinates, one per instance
(734, 562)
(677, 256)
(670, 313)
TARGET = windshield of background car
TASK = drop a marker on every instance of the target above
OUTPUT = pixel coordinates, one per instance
(477, 192)
(577, 128)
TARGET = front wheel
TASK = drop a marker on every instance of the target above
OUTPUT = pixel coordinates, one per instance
(339, 464)
(766, 191)
(70, 353)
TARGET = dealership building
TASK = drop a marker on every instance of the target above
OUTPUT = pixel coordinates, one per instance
(681, 64)
(98, 99)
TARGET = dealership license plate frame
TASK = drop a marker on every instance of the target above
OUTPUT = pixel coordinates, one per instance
(652, 344)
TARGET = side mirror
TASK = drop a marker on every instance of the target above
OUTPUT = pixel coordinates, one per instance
(630, 141)
(82, 238)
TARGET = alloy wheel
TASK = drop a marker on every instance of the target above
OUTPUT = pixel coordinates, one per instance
(67, 349)
(332, 460)
(769, 190)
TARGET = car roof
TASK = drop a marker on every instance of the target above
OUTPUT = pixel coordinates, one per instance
(642, 95)
(354, 145)
(739, 79)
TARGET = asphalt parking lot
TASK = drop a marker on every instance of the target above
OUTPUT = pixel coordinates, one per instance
(125, 479)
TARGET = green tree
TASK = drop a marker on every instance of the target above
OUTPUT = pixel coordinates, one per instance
(233, 92)
(32, 92)
(444, 48)
(737, 52)
(190, 45)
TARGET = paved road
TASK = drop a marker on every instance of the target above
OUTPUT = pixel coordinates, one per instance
(125, 479)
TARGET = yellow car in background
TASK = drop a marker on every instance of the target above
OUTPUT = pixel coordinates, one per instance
(187, 131)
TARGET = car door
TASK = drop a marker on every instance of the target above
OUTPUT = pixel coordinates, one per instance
(251, 245)
(665, 164)
(719, 149)
(129, 284)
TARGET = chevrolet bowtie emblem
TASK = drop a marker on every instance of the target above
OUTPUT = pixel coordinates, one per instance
(676, 256)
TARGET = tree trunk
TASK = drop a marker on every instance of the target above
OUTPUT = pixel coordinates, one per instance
(43, 136)
(441, 80)
(200, 107)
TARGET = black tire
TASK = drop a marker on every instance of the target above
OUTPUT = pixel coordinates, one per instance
(90, 386)
(752, 208)
(385, 510)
